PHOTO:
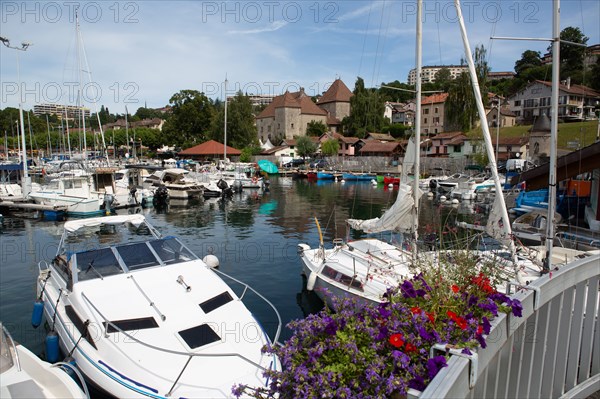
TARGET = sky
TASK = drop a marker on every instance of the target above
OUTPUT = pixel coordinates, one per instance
(140, 53)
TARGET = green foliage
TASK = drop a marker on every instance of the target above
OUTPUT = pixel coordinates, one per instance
(248, 152)
(305, 146)
(316, 128)
(461, 109)
(443, 79)
(387, 94)
(241, 130)
(191, 119)
(366, 111)
(330, 147)
(396, 130)
(529, 59)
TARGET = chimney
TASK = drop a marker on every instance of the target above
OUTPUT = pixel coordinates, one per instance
(569, 82)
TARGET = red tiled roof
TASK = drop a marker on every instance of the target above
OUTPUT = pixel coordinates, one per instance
(457, 140)
(379, 136)
(292, 100)
(210, 148)
(337, 92)
(574, 89)
(435, 99)
(510, 140)
(376, 146)
(448, 135)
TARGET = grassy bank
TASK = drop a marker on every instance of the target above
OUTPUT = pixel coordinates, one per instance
(584, 132)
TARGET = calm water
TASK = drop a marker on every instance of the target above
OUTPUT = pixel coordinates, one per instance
(255, 237)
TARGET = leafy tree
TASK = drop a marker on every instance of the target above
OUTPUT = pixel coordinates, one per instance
(330, 147)
(443, 79)
(392, 95)
(366, 111)
(571, 57)
(461, 109)
(190, 122)
(305, 146)
(594, 81)
(147, 113)
(396, 130)
(315, 128)
(241, 130)
(248, 152)
(529, 59)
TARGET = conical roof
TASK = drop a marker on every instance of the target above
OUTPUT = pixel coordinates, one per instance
(337, 92)
(541, 124)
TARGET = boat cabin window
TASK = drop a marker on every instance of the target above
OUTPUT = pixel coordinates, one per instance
(96, 264)
(170, 250)
(73, 184)
(141, 323)
(342, 278)
(137, 256)
(198, 336)
(216, 302)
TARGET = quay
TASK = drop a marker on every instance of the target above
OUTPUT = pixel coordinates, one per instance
(22, 204)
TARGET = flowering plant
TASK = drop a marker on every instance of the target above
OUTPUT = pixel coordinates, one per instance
(382, 350)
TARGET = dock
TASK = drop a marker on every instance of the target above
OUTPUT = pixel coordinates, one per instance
(23, 205)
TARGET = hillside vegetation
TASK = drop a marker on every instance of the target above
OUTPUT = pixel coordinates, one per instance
(584, 132)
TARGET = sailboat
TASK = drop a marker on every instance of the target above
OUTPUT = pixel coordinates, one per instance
(365, 269)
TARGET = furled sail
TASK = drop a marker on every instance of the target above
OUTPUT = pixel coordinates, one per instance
(410, 157)
(398, 217)
(495, 227)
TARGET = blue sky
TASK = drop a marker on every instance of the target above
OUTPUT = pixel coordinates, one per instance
(142, 52)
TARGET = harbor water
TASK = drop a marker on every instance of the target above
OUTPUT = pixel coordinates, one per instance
(254, 235)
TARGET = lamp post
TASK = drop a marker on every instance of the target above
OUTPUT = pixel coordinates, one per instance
(26, 179)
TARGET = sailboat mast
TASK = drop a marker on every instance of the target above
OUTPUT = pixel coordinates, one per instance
(553, 133)
(417, 167)
(487, 138)
(127, 132)
(80, 94)
(225, 125)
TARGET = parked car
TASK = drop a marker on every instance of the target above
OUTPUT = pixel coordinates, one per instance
(294, 163)
(319, 164)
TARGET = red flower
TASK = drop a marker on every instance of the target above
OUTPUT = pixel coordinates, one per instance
(480, 330)
(431, 317)
(396, 340)
(461, 323)
(451, 315)
(415, 310)
(410, 347)
(455, 288)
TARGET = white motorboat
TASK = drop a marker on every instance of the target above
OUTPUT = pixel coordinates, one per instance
(177, 183)
(76, 193)
(24, 375)
(149, 318)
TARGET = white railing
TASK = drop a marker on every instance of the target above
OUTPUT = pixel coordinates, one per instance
(553, 351)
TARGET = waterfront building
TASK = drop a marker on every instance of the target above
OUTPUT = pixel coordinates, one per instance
(428, 73)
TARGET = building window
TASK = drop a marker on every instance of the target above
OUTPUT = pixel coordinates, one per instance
(457, 148)
(292, 125)
(517, 103)
(436, 110)
(426, 111)
(536, 148)
(424, 120)
(269, 128)
(435, 130)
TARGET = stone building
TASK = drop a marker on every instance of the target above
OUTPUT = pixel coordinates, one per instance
(288, 115)
(539, 140)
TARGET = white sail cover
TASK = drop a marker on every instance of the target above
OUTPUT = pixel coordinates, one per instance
(398, 217)
(410, 157)
(494, 227)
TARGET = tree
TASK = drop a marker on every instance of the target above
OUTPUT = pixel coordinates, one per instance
(241, 130)
(571, 56)
(443, 79)
(392, 95)
(529, 59)
(366, 111)
(305, 146)
(191, 119)
(595, 79)
(316, 128)
(330, 147)
(461, 109)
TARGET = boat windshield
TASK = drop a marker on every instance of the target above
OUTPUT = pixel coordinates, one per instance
(104, 262)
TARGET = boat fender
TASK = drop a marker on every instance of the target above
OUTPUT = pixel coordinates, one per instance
(38, 311)
(443, 198)
(302, 248)
(211, 261)
(310, 283)
(52, 350)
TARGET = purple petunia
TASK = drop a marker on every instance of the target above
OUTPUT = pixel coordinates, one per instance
(489, 306)
(486, 325)
(408, 290)
(434, 365)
